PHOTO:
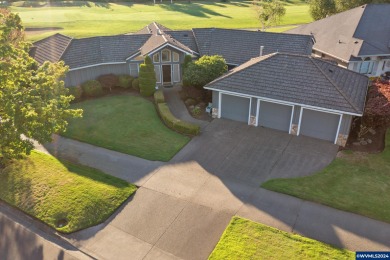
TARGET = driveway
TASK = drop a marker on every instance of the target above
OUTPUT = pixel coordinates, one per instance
(182, 207)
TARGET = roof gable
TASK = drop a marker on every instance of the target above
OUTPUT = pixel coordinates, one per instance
(51, 48)
(298, 79)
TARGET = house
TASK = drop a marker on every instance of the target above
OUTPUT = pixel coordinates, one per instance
(89, 58)
(357, 39)
(298, 94)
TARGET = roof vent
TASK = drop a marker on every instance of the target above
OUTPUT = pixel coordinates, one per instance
(356, 42)
(185, 35)
(330, 70)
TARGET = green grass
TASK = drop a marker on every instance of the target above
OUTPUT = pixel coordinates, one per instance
(84, 19)
(354, 182)
(126, 124)
(245, 239)
(51, 190)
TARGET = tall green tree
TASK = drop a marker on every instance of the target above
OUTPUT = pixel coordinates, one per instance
(322, 8)
(33, 100)
(147, 77)
(268, 12)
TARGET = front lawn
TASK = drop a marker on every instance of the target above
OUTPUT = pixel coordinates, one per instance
(126, 124)
(354, 182)
(60, 193)
(245, 239)
(85, 19)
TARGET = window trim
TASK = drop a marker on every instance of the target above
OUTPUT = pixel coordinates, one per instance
(173, 56)
(169, 56)
(130, 70)
(157, 54)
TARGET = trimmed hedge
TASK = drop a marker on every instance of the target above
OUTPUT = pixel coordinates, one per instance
(92, 88)
(147, 78)
(125, 81)
(159, 97)
(172, 122)
(135, 84)
(75, 91)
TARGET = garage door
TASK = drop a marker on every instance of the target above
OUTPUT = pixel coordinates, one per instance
(319, 124)
(275, 116)
(235, 108)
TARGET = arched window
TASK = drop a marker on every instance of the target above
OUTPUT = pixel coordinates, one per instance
(166, 55)
(156, 57)
(175, 56)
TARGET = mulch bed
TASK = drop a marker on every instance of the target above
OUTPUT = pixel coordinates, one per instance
(194, 97)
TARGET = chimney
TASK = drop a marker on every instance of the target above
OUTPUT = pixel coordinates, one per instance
(261, 50)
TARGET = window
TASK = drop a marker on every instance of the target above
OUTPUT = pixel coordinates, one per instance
(156, 57)
(176, 72)
(175, 56)
(166, 55)
(366, 67)
(134, 69)
(157, 70)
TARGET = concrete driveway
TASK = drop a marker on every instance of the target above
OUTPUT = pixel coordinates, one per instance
(182, 207)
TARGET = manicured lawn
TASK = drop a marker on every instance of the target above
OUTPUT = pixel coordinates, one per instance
(51, 191)
(82, 19)
(355, 182)
(245, 239)
(126, 124)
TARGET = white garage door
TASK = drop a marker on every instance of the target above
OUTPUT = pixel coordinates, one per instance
(275, 116)
(319, 125)
(235, 108)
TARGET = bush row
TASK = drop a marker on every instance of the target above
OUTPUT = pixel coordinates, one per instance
(172, 122)
(159, 97)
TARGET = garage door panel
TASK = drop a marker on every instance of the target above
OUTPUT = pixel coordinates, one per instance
(235, 108)
(320, 125)
(275, 116)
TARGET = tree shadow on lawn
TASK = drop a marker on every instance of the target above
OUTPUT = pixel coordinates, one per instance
(193, 9)
(66, 4)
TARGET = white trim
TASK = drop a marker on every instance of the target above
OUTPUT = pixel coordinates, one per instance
(95, 65)
(299, 122)
(287, 103)
(331, 55)
(219, 104)
(178, 72)
(165, 45)
(159, 67)
(257, 112)
(249, 114)
(162, 73)
(338, 129)
(291, 119)
(169, 56)
(132, 56)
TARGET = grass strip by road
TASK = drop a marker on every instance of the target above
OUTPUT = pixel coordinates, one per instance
(245, 239)
(66, 196)
(354, 182)
(127, 124)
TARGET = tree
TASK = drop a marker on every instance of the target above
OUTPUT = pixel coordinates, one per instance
(321, 8)
(34, 101)
(147, 77)
(204, 70)
(268, 12)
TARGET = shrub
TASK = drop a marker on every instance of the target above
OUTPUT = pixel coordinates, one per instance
(125, 81)
(159, 97)
(204, 70)
(92, 88)
(108, 81)
(75, 91)
(377, 110)
(135, 84)
(172, 122)
(196, 111)
(147, 77)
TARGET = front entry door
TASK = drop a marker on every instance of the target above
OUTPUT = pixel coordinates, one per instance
(167, 69)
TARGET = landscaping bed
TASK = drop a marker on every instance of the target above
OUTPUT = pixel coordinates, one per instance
(245, 239)
(355, 182)
(196, 101)
(127, 124)
(66, 196)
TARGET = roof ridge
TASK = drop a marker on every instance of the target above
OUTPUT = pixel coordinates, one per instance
(242, 66)
(66, 48)
(337, 88)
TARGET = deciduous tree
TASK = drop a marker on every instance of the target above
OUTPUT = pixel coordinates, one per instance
(268, 12)
(33, 100)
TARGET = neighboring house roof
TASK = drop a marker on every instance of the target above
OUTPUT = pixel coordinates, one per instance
(361, 31)
(51, 48)
(238, 46)
(299, 79)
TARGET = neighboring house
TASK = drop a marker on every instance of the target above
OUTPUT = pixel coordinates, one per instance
(298, 94)
(89, 58)
(357, 39)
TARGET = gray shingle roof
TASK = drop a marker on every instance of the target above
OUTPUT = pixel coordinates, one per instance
(298, 79)
(186, 37)
(103, 49)
(51, 48)
(238, 46)
(361, 31)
